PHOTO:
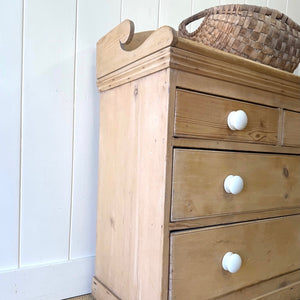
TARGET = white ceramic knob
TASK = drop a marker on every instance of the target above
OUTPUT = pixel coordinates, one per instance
(231, 262)
(233, 184)
(237, 120)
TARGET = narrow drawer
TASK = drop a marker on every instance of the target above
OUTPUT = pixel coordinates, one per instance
(291, 129)
(271, 181)
(204, 116)
(267, 249)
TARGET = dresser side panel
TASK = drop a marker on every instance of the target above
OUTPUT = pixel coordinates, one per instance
(132, 175)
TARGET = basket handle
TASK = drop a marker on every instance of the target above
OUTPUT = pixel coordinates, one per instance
(182, 26)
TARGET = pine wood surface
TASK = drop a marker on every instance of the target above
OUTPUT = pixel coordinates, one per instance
(217, 82)
(83, 297)
(101, 292)
(264, 246)
(290, 292)
(291, 128)
(270, 182)
(115, 50)
(200, 115)
(133, 145)
(277, 285)
(120, 62)
(202, 62)
(140, 76)
(229, 145)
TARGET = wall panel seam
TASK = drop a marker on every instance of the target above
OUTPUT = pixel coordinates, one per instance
(21, 131)
(73, 129)
(158, 13)
(121, 10)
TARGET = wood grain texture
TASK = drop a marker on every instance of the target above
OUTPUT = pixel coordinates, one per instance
(133, 151)
(115, 45)
(229, 145)
(131, 266)
(276, 284)
(205, 116)
(83, 297)
(199, 222)
(291, 292)
(291, 129)
(219, 86)
(150, 64)
(198, 59)
(198, 179)
(233, 63)
(101, 292)
(196, 256)
(10, 122)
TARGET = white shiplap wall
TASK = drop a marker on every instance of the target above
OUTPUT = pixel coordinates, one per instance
(49, 108)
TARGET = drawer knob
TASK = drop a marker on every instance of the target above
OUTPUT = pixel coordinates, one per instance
(231, 262)
(237, 120)
(233, 184)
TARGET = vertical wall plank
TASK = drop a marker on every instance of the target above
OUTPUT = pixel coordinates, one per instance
(223, 2)
(85, 166)
(256, 2)
(172, 12)
(293, 11)
(10, 104)
(280, 5)
(47, 130)
(143, 13)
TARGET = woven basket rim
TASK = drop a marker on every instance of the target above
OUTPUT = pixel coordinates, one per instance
(234, 9)
(258, 33)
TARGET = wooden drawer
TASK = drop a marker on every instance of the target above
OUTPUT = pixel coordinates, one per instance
(268, 248)
(291, 129)
(204, 116)
(271, 181)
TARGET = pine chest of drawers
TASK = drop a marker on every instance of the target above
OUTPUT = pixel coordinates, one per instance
(199, 172)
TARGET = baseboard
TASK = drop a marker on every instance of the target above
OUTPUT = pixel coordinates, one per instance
(49, 282)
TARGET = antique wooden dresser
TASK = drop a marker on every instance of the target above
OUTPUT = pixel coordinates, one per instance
(199, 172)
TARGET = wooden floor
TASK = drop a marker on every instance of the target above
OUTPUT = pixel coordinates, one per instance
(83, 297)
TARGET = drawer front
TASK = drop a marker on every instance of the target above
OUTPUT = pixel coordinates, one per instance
(267, 248)
(271, 181)
(290, 292)
(203, 116)
(291, 129)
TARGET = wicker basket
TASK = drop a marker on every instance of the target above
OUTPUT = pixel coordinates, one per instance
(259, 33)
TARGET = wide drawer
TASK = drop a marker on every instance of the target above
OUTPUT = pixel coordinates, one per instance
(271, 181)
(203, 116)
(291, 129)
(267, 248)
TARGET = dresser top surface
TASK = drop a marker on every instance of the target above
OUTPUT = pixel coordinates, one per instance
(121, 47)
